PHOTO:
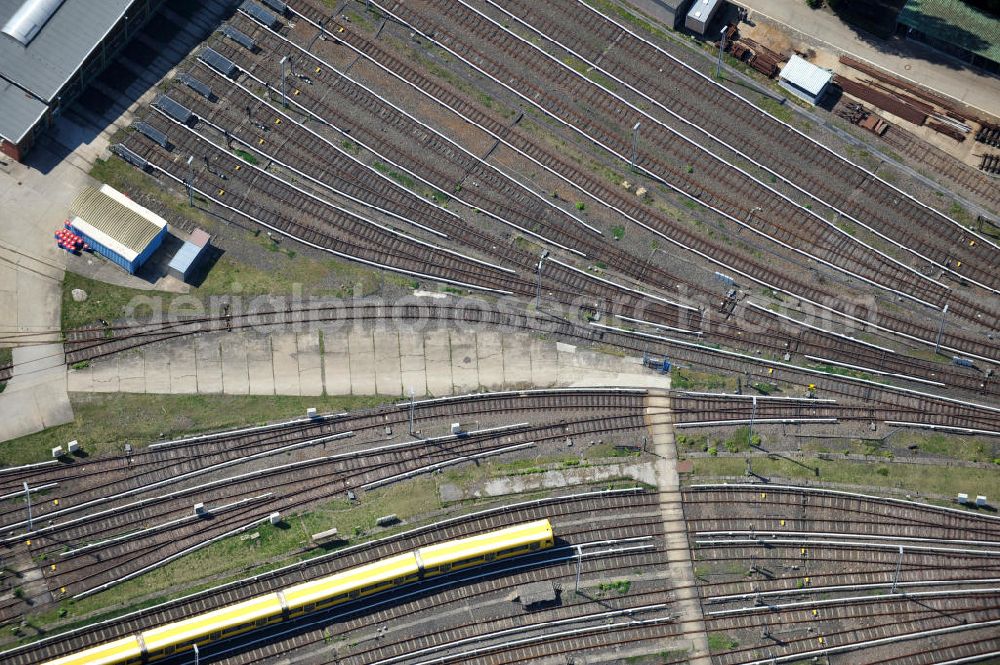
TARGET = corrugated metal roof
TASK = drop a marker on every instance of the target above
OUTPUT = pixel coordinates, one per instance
(110, 212)
(52, 57)
(19, 112)
(804, 75)
(956, 23)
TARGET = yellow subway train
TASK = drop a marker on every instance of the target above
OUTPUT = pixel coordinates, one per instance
(322, 593)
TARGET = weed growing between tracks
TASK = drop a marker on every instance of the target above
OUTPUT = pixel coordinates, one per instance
(104, 423)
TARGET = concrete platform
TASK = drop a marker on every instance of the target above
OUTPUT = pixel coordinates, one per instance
(358, 362)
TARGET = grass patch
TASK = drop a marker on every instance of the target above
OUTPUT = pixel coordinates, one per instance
(246, 157)
(965, 448)
(614, 9)
(103, 423)
(917, 478)
(618, 232)
(961, 215)
(583, 68)
(721, 642)
(440, 198)
(741, 440)
(844, 371)
(621, 586)
(689, 379)
(401, 178)
(778, 110)
(313, 276)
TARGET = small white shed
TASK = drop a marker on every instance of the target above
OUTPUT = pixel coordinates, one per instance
(804, 79)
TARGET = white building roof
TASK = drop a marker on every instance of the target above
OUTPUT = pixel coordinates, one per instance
(805, 75)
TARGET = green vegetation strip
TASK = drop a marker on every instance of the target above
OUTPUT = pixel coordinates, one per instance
(941, 480)
(101, 421)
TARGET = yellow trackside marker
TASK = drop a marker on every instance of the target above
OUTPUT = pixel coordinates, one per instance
(277, 121)
(238, 167)
(782, 522)
(55, 502)
(260, 141)
(803, 551)
(62, 589)
(958, 265)
(27, 542)
(770, 370)
(340, 29)
(807, 580)
(318, 70)
(763, 495)
(296, 93)
(972, 243)
(221, 192)
(820, 640)
(53, 567)
(815, 613)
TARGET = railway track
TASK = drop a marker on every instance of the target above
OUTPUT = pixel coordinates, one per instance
(681, 236)
(942, 165)
(576, 507)
(90, 552)
(855, 573)
(684, 90)
(773, 221)
(968, 381)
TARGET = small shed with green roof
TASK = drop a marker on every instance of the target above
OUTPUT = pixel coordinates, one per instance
(956, 28)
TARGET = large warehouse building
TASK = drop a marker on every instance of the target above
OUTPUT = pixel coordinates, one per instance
(49, 51)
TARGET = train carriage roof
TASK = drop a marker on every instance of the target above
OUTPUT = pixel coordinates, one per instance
(464, 548)
(379, 571)
(210, 622)
(118, 651)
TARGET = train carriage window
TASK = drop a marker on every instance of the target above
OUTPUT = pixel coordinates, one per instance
(491, 556)
(214, 636)
(535, 546)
